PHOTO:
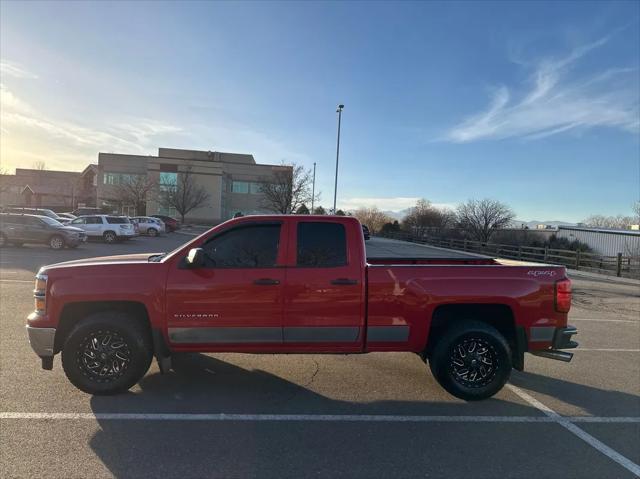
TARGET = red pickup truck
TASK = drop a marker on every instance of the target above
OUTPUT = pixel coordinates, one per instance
(297, 284)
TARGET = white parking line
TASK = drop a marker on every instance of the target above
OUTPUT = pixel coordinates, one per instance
(306, 417)
(606, 320)
(610, 350)
(585, 436)
(17, 281)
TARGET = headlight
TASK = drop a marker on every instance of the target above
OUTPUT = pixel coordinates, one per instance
(39, 293)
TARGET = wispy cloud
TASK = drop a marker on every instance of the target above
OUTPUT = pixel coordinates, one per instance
(15, 70)
(77, 143)
(136, 136)
(553, 103)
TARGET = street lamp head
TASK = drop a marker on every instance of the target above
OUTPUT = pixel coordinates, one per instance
(340, 107)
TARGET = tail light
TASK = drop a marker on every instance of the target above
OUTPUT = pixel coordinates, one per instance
(563, 295)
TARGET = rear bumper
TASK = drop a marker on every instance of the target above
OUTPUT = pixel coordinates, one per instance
(561, 340)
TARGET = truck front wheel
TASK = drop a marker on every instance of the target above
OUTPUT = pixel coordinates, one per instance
(471, 360)
(107, 353)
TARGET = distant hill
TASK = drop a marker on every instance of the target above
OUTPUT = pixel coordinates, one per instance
(397, 215)
(534, 223)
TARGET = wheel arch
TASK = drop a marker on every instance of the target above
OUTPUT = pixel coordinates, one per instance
(500, 316)
(74, 313)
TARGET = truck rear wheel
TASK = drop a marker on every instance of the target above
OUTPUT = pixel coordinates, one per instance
(107, 353)
(471, 360)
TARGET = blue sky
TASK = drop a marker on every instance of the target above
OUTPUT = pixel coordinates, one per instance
(534, 104)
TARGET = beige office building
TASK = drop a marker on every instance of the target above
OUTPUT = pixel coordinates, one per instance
(232, 180)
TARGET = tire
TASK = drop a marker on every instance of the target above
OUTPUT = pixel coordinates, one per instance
(3, 240)
(152, 232)
(121, 348)
(460, 349)
(109, 237)
(56, 242)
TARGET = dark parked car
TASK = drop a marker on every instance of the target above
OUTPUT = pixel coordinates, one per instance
(32, 211)
(87, 210)
(365, 231)
(171, 224)
(18, 229)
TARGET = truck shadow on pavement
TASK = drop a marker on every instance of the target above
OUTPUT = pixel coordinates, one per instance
(204, 384)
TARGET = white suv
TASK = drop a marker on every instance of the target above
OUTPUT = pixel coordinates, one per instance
(110, 228)
(149, 226)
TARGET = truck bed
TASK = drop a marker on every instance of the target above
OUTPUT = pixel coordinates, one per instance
(385, 251)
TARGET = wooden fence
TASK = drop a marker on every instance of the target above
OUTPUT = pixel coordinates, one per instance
(619, 265)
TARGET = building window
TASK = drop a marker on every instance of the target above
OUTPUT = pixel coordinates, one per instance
(240, 187)
(120, 178)
(255, 188)
(246, 187)
(168, 180)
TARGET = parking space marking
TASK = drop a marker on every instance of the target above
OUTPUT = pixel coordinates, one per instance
(585, 436)
(606, 320)
(609, 350)
(16, 281)
(306, 417)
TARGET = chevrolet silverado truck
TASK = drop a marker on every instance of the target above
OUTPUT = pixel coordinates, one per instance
(297, 284)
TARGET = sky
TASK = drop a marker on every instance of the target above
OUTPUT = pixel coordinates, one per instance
(534, 104)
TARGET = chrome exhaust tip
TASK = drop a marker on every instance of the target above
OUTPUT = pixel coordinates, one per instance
(554, 354)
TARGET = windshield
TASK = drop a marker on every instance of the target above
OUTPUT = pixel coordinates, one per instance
(50, 221)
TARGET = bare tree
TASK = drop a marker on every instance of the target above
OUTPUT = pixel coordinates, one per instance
(424, 216)
(4, 180)
(601, 221)
(302, 210)
(481, 218)
(636, 210)
(39, 165)
(185, 196)
(288, 189)
(134, 190)
(373, 218)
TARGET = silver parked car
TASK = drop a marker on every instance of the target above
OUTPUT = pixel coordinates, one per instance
(108, 227)
(148, 225)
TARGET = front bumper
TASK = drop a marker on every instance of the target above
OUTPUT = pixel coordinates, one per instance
(41, 340)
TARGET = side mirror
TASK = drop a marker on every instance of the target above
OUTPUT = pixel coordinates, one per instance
(195, 258)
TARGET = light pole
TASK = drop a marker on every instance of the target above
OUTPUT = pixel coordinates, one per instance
(335, 188)
(313, 187)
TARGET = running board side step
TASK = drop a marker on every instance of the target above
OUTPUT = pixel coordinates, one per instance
(554, 354)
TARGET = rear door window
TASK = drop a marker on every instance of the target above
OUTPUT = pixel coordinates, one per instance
(321, 245)
(117, 220)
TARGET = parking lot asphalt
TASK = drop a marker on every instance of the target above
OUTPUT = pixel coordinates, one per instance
(373, 415)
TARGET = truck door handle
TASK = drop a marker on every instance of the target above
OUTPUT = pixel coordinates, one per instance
(266, 282)
(344, 281)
